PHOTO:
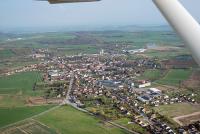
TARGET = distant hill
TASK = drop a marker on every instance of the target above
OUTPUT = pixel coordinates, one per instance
(144, 28)
(130, 28)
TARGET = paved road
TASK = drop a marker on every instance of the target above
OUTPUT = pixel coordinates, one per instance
(51, 109)
(66, 101)
(110, 122)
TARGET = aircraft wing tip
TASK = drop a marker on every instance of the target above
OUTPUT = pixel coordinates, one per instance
(68, 1)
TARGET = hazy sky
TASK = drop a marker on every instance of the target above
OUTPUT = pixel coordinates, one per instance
(30, 13)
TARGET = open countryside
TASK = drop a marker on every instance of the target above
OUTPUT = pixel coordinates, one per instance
(8, 114)
(53, 81)
(65, 119)
(19, 83)
(175, 77)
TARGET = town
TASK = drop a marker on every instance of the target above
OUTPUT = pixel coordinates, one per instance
(110, 87)
(99, 67)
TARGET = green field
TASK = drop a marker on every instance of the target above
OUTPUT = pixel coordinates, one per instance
(19, 83)
(139, 39)
(12, 115)
(17, 63)
(152, 74)
(77, 49)
(40, 40)
(134, 126)
(166, 54)
(6, 53)
(29, 127)
(67, 120)
(175, 76)
(12, 100)
(175, 110)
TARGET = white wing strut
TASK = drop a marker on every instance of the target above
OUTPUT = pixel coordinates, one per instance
(183, 23)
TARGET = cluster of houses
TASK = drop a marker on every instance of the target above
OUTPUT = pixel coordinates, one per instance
(193, 128)
(127, 103)
(158, 127)
(28, 68)
(134, 51)
(115, 79)
(155, 97)
(149, 95)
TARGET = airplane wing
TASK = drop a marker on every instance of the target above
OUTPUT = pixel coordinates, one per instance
(177, 16)
(183, 23)
(68, 1)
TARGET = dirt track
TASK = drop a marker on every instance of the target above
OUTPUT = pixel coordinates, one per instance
(1, 97)
(193, 81)
(187, 119)
(31, 101)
